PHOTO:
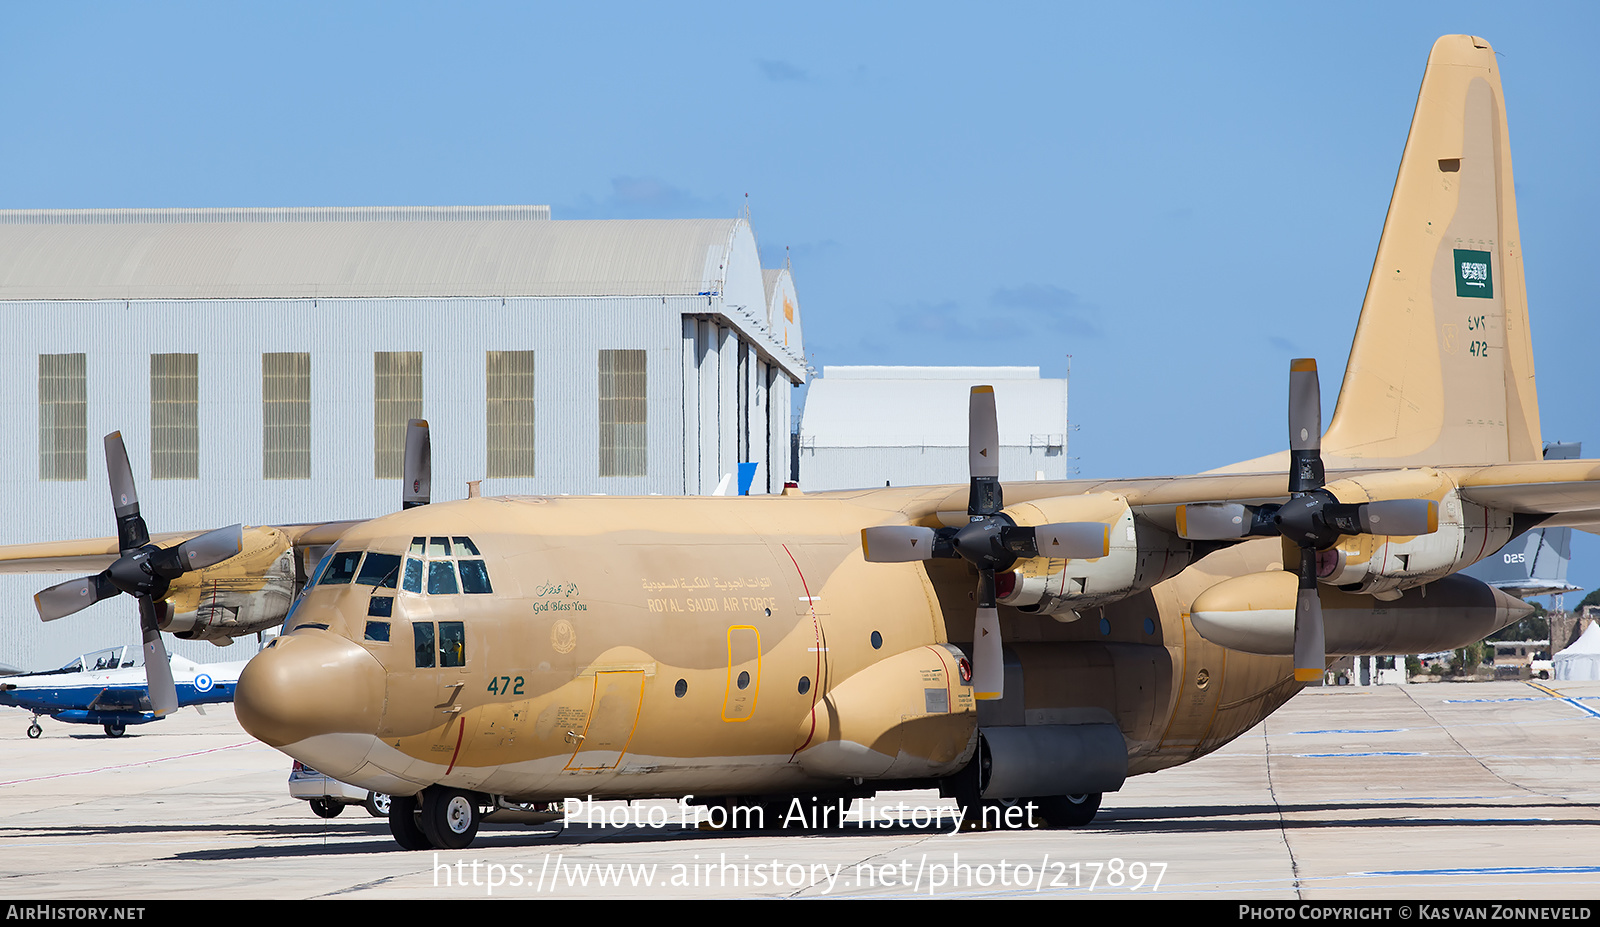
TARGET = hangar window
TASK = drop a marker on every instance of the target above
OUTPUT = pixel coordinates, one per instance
(63, 415)
(509, 389)
(286, 416)
(622, 413)
(396, 400)
(175, 416)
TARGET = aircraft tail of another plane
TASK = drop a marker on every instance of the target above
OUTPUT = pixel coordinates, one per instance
(1441, 369)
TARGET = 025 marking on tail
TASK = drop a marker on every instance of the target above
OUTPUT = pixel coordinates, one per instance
(1039, 641)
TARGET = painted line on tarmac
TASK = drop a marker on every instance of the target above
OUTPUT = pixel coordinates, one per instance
(1568, 699)
(162, 759)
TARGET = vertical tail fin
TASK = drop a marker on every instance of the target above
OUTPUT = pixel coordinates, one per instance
(1441, 370)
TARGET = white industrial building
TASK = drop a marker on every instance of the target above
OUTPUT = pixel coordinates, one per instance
(905, 426)
(262, 364)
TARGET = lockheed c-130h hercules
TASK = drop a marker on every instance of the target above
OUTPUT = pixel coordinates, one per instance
(1038, 641)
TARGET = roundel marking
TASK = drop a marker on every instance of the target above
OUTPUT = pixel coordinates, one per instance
(202, 683)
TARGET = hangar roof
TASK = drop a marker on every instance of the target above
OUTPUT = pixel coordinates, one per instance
(469, 251)
(927, 406)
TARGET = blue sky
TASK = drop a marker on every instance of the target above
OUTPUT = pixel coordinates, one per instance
(1181, 197)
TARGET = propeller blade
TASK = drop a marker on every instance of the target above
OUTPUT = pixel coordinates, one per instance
(1305, 426)
(988, 663)
(1310, 640)
(1213, 521)
(983, 453)
(418, 487)
(131, 531)
(72, 596)
(1073, 540)
(896, 543)
(157, 665)
(209, 548)
(1400, 517)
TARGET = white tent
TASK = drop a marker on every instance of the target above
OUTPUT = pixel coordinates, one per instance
(1581, 661)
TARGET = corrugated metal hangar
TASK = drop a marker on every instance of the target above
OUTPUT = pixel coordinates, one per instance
(907, 426)
(262, 364)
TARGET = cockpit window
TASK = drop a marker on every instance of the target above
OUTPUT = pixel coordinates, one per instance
(435, 557)
(422, 638)
(452, 643)
(441, 577)
(380, 570)
(341, 568)
(474, 577)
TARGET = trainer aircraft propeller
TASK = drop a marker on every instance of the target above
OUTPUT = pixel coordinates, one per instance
(491, 656)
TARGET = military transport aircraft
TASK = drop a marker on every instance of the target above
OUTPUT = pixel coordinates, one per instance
(1039, 641)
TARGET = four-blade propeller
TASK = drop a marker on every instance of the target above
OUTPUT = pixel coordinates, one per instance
(990, 540)
(1313, 519)
(143, 571)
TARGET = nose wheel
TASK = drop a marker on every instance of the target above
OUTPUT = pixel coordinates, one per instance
(34, 730)
(438, 818)
(449, 817)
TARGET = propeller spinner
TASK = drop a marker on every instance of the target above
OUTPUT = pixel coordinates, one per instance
(143, 571)
(990, 541)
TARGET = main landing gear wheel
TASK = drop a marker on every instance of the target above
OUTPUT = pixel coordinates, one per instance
(377, 804)
(449, 817)
(34, 730)
(1069, 810)
(326, 807)
(403, 823)
(115, 728)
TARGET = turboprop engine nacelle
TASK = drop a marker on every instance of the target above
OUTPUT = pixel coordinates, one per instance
(1255, 613)
(1385, 566)
(244, 594)
(1139, 555)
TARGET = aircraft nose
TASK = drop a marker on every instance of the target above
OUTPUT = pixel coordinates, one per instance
(309, 683)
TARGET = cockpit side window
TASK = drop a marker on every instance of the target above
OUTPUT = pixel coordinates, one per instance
(413, 576)
(474, 577)
(341, 568)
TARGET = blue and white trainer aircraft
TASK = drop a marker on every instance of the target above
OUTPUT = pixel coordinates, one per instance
(108, 688)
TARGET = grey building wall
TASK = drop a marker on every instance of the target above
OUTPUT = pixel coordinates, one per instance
(718, 379)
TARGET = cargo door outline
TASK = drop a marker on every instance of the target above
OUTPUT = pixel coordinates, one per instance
(613, 718)
(744, 646)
